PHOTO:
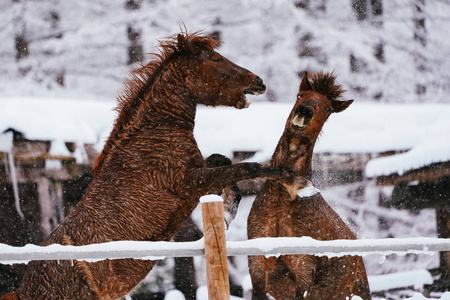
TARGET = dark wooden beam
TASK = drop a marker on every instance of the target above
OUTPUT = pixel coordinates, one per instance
(420, 195)
(428, 173)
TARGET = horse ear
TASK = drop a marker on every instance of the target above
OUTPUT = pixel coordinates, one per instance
(305, 85)
(184, 44)
(339, 106)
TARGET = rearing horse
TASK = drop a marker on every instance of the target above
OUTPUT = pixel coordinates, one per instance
(275, 214)
(150, 174)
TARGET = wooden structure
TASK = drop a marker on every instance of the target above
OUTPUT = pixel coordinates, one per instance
(48, 187)
(425, 187)
(215, 248)
(54, 185)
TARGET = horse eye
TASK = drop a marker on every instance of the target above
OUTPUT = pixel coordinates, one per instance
(299, 96)
(329, 110)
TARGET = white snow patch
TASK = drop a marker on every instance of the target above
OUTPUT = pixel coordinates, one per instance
(210, 198)
(61, 120)
(362, 128)
(416, 278)
(308, 192)
(6, 142)
(432, 150)
(174, 295)
(58, 148)
(53, 164)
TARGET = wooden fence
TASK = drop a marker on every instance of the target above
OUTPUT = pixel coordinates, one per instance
(262, 246)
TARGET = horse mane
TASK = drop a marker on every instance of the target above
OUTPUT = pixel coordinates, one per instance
(139, 82)
(325, 83)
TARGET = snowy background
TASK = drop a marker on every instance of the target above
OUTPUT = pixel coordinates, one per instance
(84, 44)
(76, 60)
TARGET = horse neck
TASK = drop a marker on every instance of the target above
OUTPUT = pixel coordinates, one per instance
(170, 109)
(168, 102)
(294, 153)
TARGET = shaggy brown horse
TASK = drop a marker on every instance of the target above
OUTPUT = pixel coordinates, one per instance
(150, 174)
(274, 214)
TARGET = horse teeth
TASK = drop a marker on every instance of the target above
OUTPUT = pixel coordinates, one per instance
(298, 121)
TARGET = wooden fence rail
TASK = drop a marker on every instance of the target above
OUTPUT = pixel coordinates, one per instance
(262, 246)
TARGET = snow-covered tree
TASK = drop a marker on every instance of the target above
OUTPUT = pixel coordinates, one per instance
(83, 48)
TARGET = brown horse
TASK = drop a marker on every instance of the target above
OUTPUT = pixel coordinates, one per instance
(274, 214)
(150, 174)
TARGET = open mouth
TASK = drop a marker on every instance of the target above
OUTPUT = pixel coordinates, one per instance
(302, 118)
(256, 91)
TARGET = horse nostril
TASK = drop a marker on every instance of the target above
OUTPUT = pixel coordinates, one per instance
(258, 80)
(304, 111)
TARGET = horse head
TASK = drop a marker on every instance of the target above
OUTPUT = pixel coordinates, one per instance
(216, 81)
(316, 101)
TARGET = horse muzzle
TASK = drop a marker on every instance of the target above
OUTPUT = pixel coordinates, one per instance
(257, 89)
(302, 117)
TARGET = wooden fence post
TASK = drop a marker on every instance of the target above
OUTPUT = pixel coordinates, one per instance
(215, 247)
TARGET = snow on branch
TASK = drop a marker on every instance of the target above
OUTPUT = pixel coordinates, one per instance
(262, 246)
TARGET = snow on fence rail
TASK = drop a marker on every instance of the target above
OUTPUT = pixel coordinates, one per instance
(261, 246)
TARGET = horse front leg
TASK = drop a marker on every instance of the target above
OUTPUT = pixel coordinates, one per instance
(210, 180)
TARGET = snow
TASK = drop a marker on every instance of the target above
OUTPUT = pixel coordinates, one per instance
(262, 246)
(210, 198)
(6, 142)
(308, 192)
(416, 278)
(53, 119)
(89, 44)
(262, 36)
(58, 147)
(175, 295)
(432, 150)
(362, 128)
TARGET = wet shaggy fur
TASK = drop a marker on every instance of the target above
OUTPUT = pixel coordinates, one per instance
(150, 174)
(274, 214)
